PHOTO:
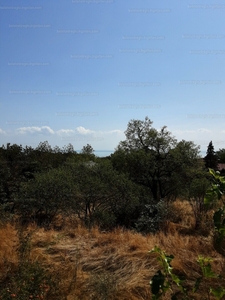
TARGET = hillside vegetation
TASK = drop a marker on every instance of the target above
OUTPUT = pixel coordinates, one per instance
(75, 226)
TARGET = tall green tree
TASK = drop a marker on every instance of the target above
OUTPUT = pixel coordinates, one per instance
(103, 196)
(153, 158)
(211, 159)
(197, 184)
(14, 169)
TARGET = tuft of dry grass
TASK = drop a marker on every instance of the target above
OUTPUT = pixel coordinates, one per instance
(8, 243)
(184, 211)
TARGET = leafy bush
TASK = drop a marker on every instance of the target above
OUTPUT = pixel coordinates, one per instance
(49, 194)
(216, 194)
(94, 191)
(165, 282)
(154, 217)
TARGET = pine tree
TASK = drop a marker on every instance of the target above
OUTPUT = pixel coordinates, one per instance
(210, 159)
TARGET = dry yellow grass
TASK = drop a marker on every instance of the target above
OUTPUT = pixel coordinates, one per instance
(117, 265)
(8, 244)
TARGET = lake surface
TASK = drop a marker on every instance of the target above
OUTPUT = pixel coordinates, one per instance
(103, 153)
(100, 153)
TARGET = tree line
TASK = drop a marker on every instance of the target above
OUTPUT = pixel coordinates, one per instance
(132, 187)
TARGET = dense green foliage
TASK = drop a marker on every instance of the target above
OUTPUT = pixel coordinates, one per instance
(221, 155)
(155, 159)
(215, 194)
(133, 187)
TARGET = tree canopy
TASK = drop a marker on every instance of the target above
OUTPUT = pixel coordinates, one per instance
(149, 168)
(154, 158)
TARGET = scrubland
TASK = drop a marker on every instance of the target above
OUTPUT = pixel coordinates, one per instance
(81, 263)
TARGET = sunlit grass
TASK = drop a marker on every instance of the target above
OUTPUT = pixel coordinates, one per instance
(91, 264)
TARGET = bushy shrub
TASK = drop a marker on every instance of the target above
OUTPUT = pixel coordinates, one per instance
(49, 194)
(154, 217)
(104, 219)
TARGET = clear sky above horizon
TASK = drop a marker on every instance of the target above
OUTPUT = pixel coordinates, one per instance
(78, 71)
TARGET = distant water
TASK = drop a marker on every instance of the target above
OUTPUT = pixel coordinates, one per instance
(104, 153)
(100, 153)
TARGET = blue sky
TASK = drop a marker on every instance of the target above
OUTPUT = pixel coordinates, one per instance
(78, 71)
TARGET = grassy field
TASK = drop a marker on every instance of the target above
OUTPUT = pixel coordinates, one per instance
(90, 264)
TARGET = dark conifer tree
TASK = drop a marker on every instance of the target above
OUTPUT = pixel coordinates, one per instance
(210, 159)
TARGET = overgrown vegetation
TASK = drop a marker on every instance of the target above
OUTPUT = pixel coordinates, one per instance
(27, 278)
(162, 282)
(152, 190)
(166, 282)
